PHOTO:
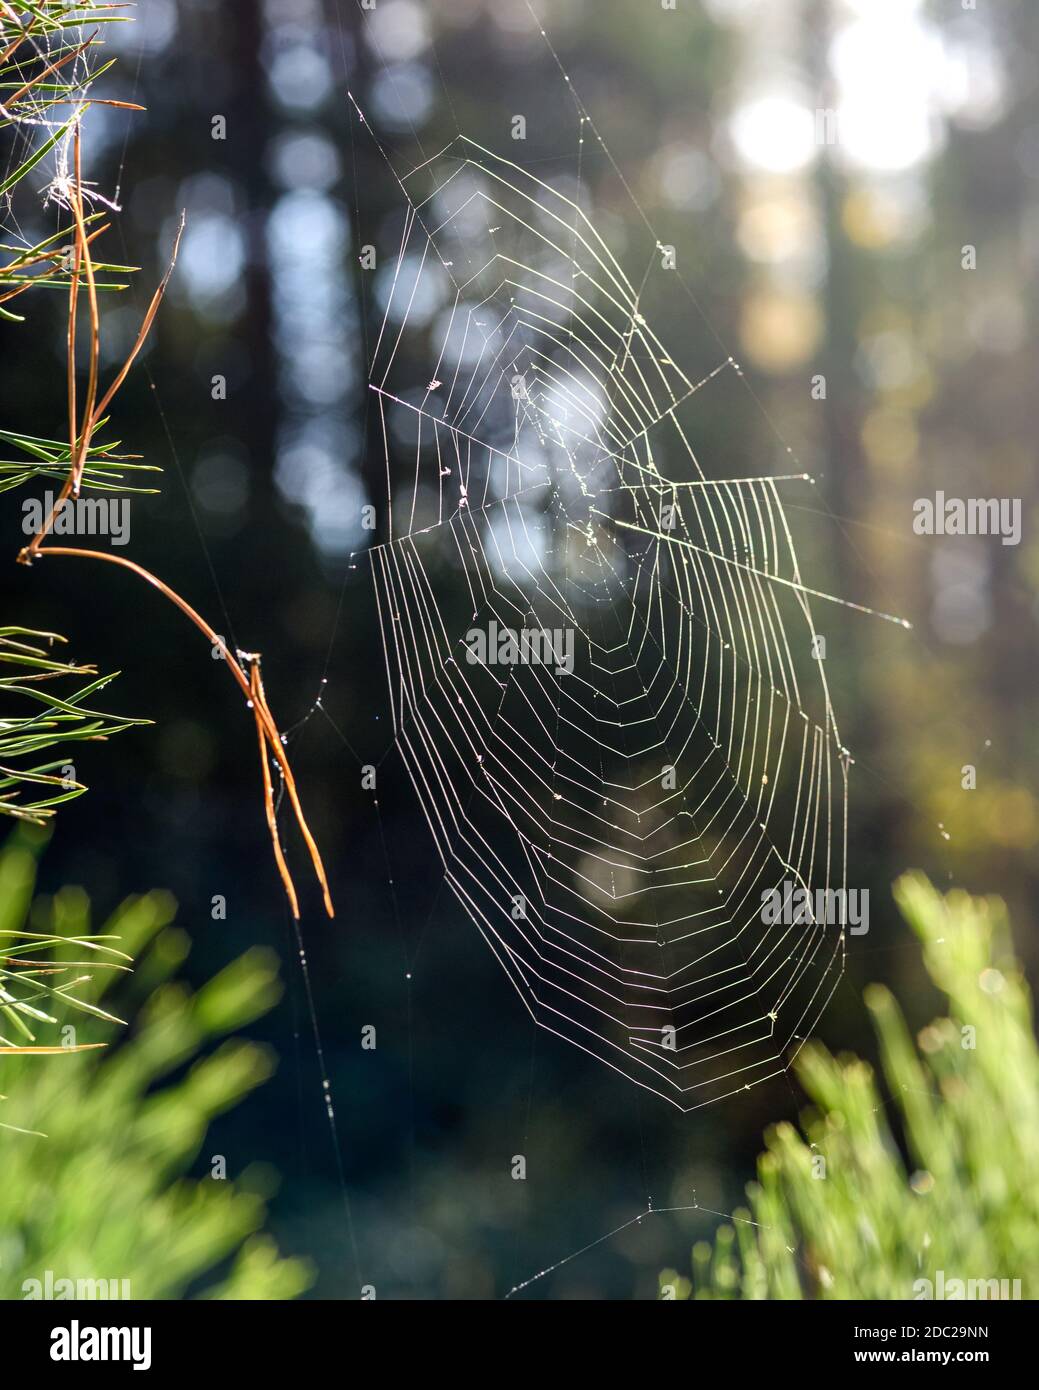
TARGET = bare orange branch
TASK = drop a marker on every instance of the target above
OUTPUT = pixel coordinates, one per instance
(80, 434)
(79, 440)
(83, 246)
(277, 747)
(268, 791)
(143, 332)
(253, 691)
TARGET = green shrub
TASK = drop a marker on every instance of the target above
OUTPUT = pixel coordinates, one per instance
(95, 1189)
(856, 1207)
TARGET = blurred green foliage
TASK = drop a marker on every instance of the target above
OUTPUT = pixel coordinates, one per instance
(838, 1212)
(96, 1188)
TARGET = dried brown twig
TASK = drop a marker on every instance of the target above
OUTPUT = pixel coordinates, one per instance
(82, 425)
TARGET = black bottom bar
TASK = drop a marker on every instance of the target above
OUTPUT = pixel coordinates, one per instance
(205, 1339)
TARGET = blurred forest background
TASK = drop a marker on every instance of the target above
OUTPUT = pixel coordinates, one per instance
(806, 255)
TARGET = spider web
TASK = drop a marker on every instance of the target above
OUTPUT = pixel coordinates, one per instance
(610, 822)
